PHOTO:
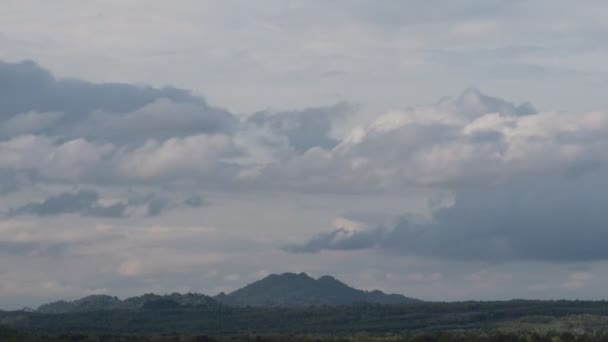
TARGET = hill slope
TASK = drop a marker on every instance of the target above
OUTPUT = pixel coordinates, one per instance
(290, 289)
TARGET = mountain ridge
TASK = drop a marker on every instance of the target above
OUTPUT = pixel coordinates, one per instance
(275, 290)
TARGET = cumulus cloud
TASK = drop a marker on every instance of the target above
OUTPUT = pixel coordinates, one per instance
(84, 202)
(452, 143)
(73, 131)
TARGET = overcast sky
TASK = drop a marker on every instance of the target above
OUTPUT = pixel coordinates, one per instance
(446, 150)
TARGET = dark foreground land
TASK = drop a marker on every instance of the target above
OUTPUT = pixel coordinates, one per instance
(517, 320)
(440, 337)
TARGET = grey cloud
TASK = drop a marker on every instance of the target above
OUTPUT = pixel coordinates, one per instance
(542, 218)
(84, 202)
(28, 87)
(546, 217)
(32, 100)
(155, 204)
(303, 129)
(87, 202)
(161, 119)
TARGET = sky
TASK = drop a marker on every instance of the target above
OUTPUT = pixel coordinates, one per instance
(445, 150)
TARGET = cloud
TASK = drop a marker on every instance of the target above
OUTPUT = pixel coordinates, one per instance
(552, 218)
(339, 239)
(474, 103)
(32, 249)
(28, 87)
(302, 129)
(83, 202)
(74, 131)
(450, 144)
(156, 206)
(161, 119)
(35, 102)
(195, 201)
(29, 123)
(190, 158)
(524, 185)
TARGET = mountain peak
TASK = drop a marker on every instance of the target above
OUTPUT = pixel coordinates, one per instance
(291, 289)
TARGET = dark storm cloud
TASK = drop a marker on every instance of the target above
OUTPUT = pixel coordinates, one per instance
(547, 218)
(83, 202)
(32, 100)
(303, 129)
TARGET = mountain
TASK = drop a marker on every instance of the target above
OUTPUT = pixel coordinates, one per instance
(145, 302)
(290, 289)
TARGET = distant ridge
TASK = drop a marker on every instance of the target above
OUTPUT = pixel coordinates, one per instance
(291, 289)
(276, 290)
(145, 302)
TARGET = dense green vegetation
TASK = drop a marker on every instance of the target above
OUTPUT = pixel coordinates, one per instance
(417, 317)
